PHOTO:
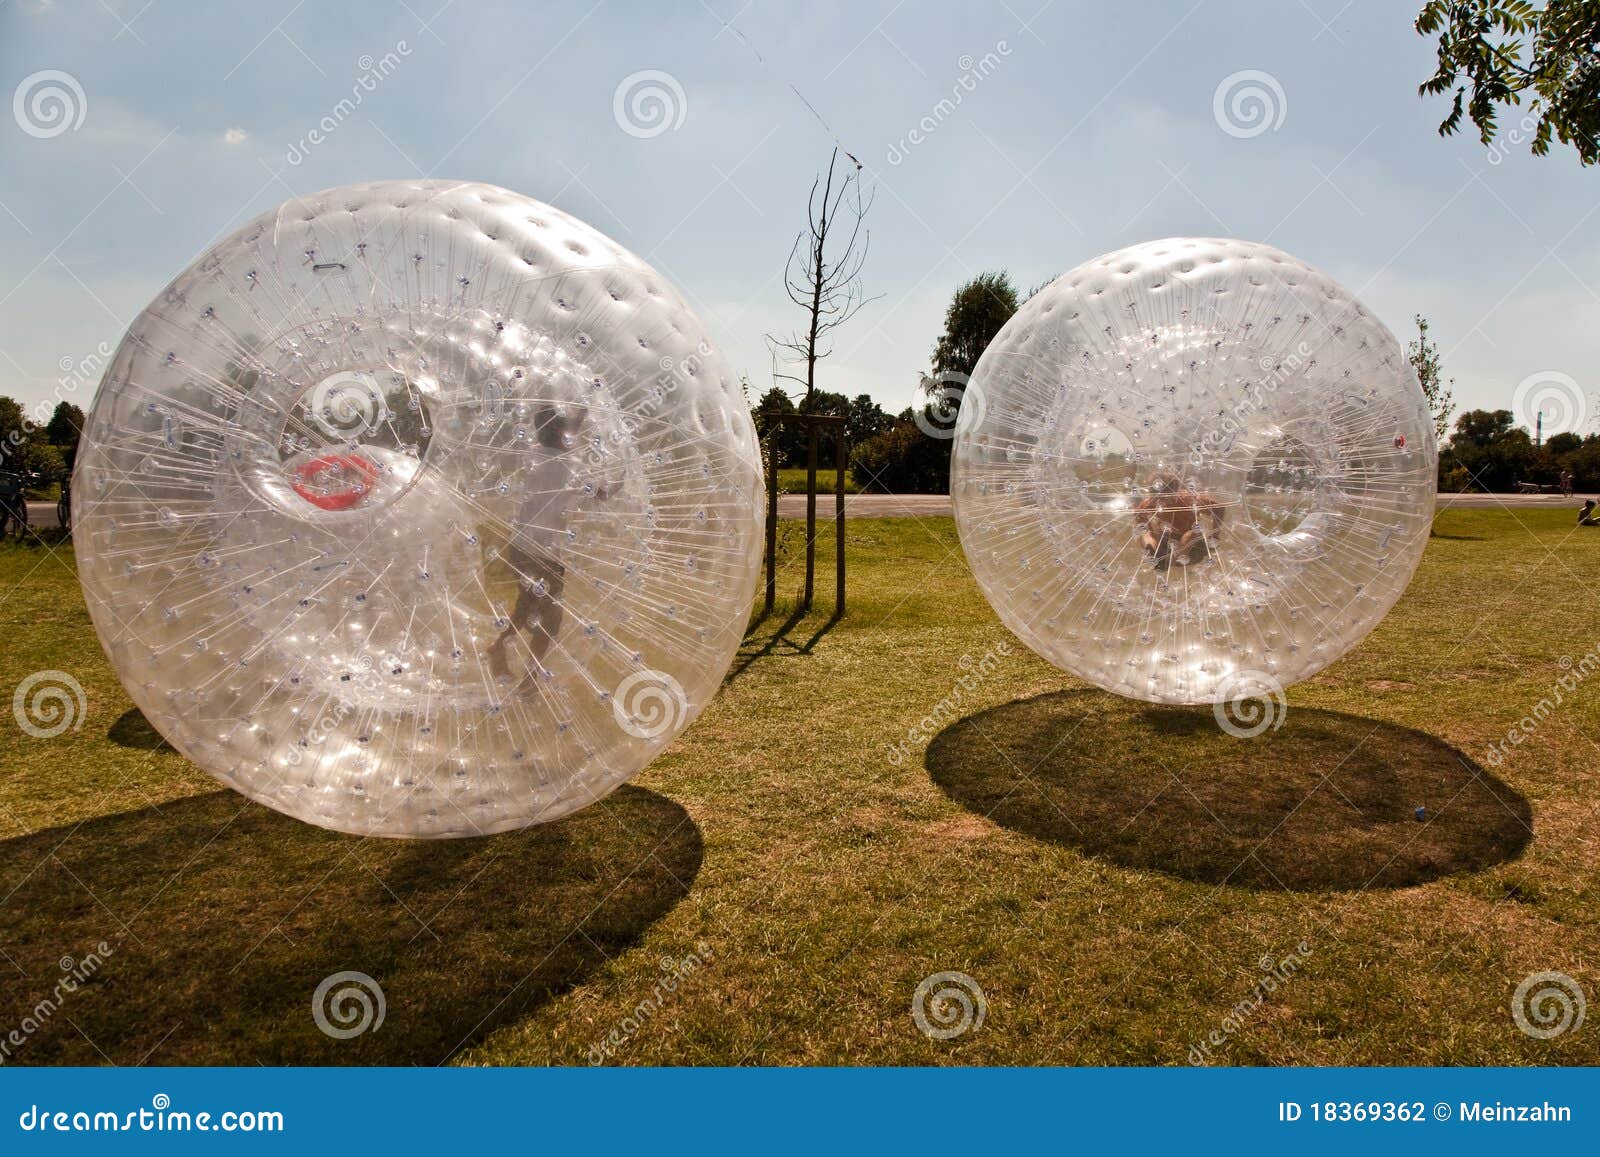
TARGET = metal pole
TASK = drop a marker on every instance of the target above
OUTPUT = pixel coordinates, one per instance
(772, 513)
(842, 459)
(811, 508)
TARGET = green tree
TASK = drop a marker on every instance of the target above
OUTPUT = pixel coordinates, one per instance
(1490, 450)
(976, 313)
(829, 403)
(1424, 355)
(902, 460)
(1493, 53)
(865, 419)
(775, 401)
(63, 430)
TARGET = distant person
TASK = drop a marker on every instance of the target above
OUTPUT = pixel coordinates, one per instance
(1566, 484)
(13, 504)
(64, 503)
(1587, 516)
(1177, 525)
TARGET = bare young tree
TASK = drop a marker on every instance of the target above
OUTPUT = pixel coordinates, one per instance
(823, 276)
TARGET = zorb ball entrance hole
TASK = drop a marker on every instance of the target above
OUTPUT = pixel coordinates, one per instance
(1195, 467)
(419, 509)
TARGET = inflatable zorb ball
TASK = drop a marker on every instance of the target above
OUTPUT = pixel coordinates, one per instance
(1192, 470)
(419, 509)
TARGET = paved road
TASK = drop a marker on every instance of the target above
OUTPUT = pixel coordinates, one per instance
(938, 505)
(43, 514)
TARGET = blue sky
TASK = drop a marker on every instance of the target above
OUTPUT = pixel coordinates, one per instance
(1092, 127)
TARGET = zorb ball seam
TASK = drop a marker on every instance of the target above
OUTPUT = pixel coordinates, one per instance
(1196, 465)
(419, 508)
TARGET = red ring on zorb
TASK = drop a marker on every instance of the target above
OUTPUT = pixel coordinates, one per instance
(311, 480)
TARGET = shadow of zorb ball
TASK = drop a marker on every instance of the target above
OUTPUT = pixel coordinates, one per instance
(419, 509)
(1192, 470)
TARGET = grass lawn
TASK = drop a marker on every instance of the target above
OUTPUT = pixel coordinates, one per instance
(792, 480)
(1116, 877)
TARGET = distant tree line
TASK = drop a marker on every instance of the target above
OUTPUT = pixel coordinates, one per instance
(41, 454)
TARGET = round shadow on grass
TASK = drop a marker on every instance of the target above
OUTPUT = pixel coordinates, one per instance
(1327, 801)
(132, 729)
(198, 931)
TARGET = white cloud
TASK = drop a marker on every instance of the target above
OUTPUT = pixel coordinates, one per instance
(234, 136)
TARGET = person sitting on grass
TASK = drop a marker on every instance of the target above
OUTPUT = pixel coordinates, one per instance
(1177, 525)
(1587, 516)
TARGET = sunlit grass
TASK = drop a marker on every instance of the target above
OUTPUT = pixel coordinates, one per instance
(1111, 875)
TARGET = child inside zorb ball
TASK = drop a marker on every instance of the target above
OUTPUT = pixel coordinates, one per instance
(539, 539)
(1197, 464)
(419, 509)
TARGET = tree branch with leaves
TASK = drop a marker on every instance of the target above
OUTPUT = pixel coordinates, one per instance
(1496, 52)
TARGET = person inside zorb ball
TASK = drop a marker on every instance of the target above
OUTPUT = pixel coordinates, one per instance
(419, 509)
(1192, 470)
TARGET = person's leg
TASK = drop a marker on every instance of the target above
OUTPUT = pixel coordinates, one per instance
(523, 566)
(548, 611)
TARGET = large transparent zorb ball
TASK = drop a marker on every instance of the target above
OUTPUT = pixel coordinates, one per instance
(1192, 469)
(419, 509)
